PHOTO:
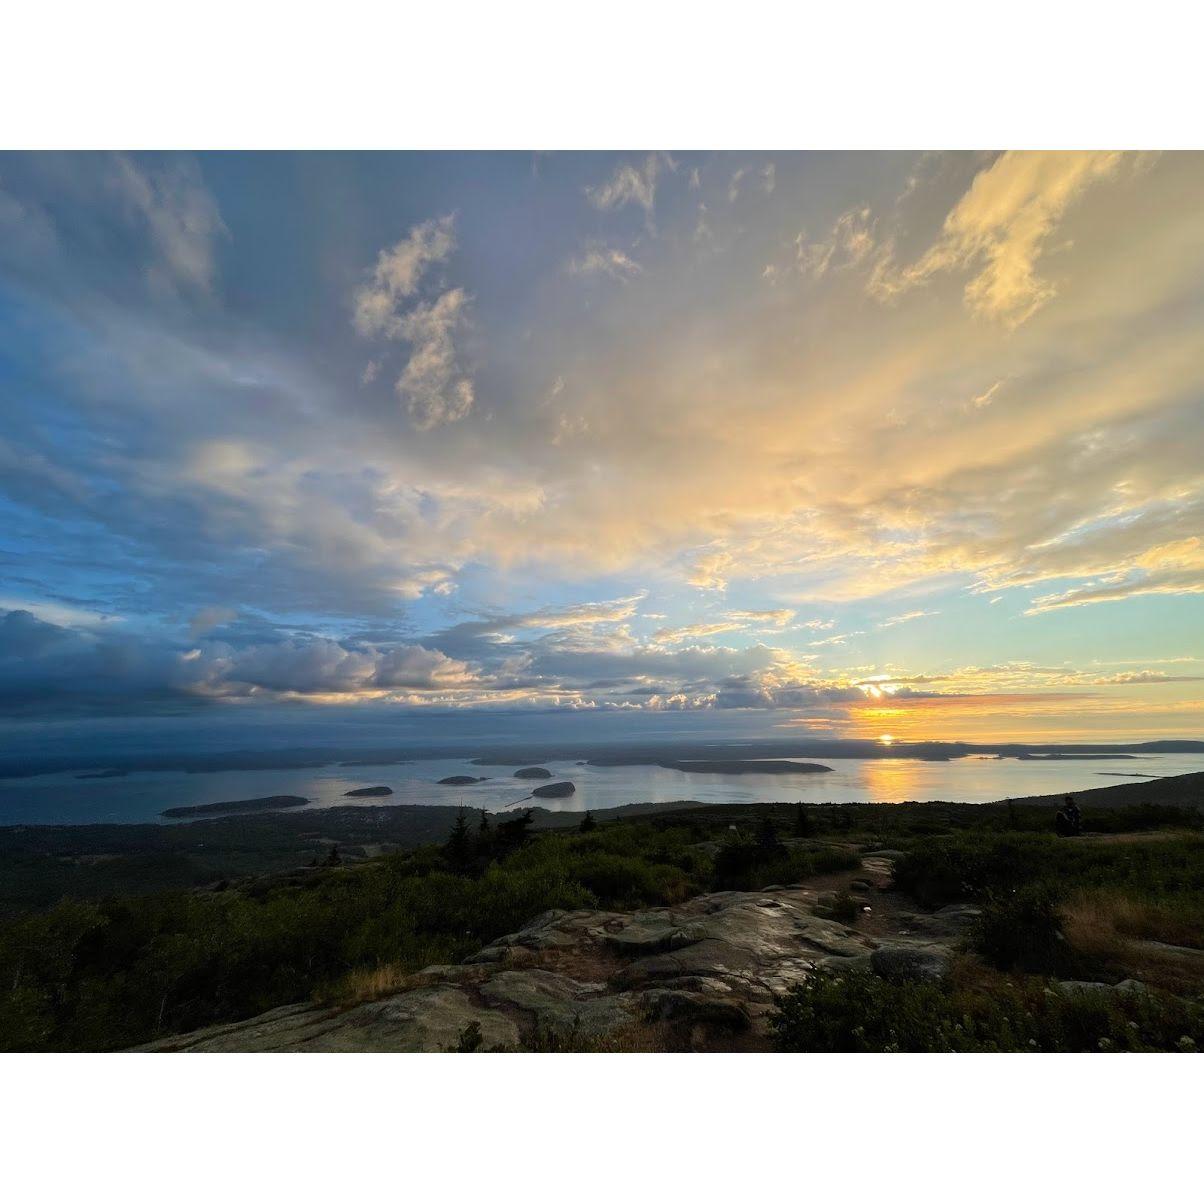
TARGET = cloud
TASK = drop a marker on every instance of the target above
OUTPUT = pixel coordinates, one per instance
(1000, 229)
(398, 273)
(849, 244)
(181, 218)
(631, 185)
(49, 669)
(762, 618)
(434, 384)
(209, 617)
(732, 620)
(607, 261)
(895, 620)
(799, 443)
(1170, 568)
(1144, 677)
(834, 641)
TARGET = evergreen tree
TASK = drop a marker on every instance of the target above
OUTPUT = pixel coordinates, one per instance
(802, 821)
(767, 835)
(588, 823)
(333, 857)
(512, 833)
(458, 849)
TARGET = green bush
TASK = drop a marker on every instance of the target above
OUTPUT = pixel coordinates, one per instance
(1020, 930)
(744, 865)
(861, 1013)
(971, 865)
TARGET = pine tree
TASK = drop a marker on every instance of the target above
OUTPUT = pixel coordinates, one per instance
(802, 821)
(512, 833)
(767, 835)
(588, 823)
(458, 849)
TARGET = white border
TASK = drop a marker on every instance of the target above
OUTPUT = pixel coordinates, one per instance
(627, 1127)
(542, 74)
(620, 74)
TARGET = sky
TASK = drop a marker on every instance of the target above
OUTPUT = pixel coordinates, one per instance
(902, 445)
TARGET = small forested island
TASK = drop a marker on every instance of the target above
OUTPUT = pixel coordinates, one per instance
(369, 792)
(746, 766)
(554, 790)
(533, 771)
(272, 802)
(459, 779)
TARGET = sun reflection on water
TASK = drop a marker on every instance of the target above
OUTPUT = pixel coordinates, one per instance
(892, 779)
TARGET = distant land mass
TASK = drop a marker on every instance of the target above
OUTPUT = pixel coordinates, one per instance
(534, 771)
(369, 792)
(103, 773)
(745, 766)
(459, 779)
(24, 764)
(272, 802)
(1076, 756)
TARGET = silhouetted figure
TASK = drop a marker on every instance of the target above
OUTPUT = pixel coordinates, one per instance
(1069, 820)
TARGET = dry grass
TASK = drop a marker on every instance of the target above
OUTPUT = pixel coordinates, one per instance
(1097, 920)
(365, 985)
(1138, 938)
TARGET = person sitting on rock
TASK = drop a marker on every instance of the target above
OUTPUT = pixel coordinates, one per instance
(1069, 820)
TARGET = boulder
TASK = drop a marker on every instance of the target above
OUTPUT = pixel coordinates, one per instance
(695, 1008)
(910, 963)
(713, 965)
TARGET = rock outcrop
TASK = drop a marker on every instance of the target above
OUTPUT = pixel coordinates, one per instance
(709, 970)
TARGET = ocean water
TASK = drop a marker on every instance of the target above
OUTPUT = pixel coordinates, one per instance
(141, 796)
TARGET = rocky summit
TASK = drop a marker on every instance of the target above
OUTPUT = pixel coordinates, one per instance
(706, 973)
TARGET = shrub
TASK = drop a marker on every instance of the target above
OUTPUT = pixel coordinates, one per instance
(1021, 930)
(845, 907)
(860, 1013)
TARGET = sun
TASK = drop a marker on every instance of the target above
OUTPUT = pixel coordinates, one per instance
(886, 739)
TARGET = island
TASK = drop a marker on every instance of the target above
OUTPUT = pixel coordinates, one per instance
(369, 792)
(459, 779)
(273, 802)
(102, 773)
(745, 766)
(533, 771)
(554, 790)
